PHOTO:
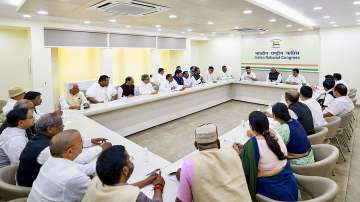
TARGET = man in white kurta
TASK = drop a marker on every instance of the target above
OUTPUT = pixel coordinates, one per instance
(170, 85)
(296, 78)
(210, 76)
(145, 87)
(341, 105)
(248, 75)
(160, 77)
(74, 98)
(224, 74)
(101, 91)
(187, 79)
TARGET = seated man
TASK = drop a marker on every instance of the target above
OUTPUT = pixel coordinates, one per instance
(197, 78)
(328, 96)
(306, 93)
(341, 105)
(212, 174)
(15, 94)
(248, 75)
(145, 87)
(178, 77)
(74, 99)
(210, 76)
(114, 168)
(128, 87)
(160, 77)
(14, 138)
(274, 76)
(224, 75)
(59, 178)
(170, 85)
(37, 151)
(338, 79)
(187, 79)
(296, 78)
(34, 97)
(101, 91)
(301, 112)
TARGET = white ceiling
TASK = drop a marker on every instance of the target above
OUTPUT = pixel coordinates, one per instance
(194, 14)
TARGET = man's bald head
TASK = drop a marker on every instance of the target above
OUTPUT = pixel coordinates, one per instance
(74, 88)
(66, 144)
(292, 96)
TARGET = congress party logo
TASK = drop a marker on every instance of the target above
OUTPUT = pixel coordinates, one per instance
(276, 43)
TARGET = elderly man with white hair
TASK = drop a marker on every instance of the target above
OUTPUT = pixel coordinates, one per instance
(74, 98)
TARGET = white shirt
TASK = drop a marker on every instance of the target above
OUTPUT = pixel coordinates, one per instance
(245, 76)
(9, 106)
(12, 142)
(158, 79)
(70, 100)
(340, 106)
(145, 89)
(59, 180)
(194, 81)
(101, 94)
(328, 98)
(300, 79)
(187, 81)
(224, 75)
(84, 161)
(167, 86)
(210, 78)
(316, 112)
(278, 80)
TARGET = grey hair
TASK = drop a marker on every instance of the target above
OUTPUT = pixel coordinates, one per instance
(144, 76)
(48, 120)
(62, 141)
(23, 103)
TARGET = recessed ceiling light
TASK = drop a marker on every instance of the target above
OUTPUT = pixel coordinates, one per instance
(112, 20)
(172, 16)
(318, 8)
(326, 17)
(26, 16)
(159, 30)
(127, 26)
(182, 32)
(189, 30)
(356, 3)
(210, 23)
(247, 11)
(272, 20)
(157, 26)
(87, 22)
(335, 25)
(288, 26)
(332, 22)
(262, 32)
(236, 28)
(300, 30)
(357, 13)
(42, 12)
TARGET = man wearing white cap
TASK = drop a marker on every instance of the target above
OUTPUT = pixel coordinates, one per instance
(212, 174)
(15, 94)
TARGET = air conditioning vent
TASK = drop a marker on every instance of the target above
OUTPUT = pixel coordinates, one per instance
(128, 7)
(247, 30)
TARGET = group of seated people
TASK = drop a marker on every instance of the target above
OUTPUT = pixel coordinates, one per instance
(58, 164)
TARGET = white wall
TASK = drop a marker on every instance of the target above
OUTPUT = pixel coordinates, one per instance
(340, 52)
(14, 60)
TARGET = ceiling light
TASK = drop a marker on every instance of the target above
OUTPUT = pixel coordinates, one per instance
(159, 30)
(157, 26)
(112, 20)
(326, 17)
(262, 32)
(189, 30)
(210, 23)
(236, 28)
(26, 16)
(42, 12)
(87, 22)
(335, 25)
(332, 22)
(356, 3)
(127, 26)
(172, 16)
(318, 8)
(300, 30)
(247, 11)
(182, 32)
(357, 13)
(272, 20)
(288, 26)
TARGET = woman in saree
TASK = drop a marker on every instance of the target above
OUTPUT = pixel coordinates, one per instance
(294, 136)
(264, 160)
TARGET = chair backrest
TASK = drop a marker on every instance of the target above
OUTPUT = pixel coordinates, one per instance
(8, 188)
(326, 156)
(319, 136)
(346, 119)
(333, 124)
(353, 91)
(320, 189)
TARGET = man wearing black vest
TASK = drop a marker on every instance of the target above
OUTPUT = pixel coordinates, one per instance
(274, 76)
(302, 111)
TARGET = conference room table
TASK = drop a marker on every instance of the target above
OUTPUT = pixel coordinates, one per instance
(117, 119)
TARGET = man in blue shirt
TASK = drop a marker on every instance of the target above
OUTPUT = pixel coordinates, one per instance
(178, 77)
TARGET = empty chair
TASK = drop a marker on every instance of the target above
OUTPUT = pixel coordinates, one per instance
(333, 125)
(319, 136)
(320, 189)
(326, 156)
(8, 188)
